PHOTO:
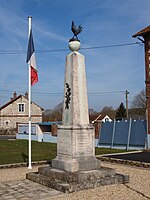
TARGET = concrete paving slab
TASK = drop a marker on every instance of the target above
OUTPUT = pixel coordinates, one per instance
(25, 190)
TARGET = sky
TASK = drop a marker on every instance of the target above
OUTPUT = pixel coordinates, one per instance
(110, 71)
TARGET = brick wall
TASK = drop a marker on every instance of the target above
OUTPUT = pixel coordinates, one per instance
(147, 75)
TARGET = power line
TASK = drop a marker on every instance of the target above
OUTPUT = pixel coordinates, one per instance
(12, 51)
(60, 93)
(108, 92)
(2, 52)
(115, 45)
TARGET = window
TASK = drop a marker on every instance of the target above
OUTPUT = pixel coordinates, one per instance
(106, 119)
(21, 107)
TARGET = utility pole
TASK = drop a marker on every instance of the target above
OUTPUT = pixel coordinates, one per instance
(127, 111)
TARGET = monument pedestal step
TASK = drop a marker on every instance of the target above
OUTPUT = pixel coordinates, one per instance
(70, 182)
(75, 164)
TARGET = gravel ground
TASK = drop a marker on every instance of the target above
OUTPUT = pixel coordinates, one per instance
(14, 174)
(137, 189)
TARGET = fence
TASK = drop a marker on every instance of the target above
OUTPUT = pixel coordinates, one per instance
(125, 134)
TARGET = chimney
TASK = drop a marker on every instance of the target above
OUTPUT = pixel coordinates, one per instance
(14, 95)
(26, 95)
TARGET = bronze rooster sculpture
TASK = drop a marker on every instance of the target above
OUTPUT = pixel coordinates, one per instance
(76, 30)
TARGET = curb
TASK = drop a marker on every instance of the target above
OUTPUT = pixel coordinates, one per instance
(15, 165)
(122, 153)
(125, 162)
(102, 158)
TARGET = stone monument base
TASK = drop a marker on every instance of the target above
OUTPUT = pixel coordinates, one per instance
(74, 181)
(75, 149)
(82, 163)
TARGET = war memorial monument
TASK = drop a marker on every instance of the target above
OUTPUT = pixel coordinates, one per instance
(75, 166)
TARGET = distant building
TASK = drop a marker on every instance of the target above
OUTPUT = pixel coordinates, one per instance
(98, 121)
(44, 131)
(16, 111)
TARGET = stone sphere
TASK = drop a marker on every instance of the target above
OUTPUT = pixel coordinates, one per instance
(74, 45)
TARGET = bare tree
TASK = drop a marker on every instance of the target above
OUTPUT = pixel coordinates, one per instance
(92, 114)
(53, 115)
(46, 115)
(139, 100)
(108, 110)
(57, 112)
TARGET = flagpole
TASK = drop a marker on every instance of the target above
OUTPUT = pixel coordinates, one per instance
(29, 96)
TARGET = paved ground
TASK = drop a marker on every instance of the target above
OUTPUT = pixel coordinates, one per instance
(14, 186)
(25, 190)
(139, 156)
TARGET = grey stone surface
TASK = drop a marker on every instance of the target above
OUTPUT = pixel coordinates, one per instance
(75, 167)
(75, 77)
(75, 140)
(137, 188)
(74, 45)
(74, 181)
(25, 190)
(75, 164)
(76, 176)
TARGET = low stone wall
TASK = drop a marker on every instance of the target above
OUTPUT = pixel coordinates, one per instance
(11, 131)
(24, 164)
(105, 159)
(124, 162)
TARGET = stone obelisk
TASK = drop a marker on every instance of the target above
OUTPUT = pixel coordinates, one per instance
(75, 142)
(75, 166)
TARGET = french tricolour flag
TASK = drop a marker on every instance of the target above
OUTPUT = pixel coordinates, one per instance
(31, 60)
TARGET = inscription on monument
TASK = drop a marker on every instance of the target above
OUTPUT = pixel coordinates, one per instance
(84, 143)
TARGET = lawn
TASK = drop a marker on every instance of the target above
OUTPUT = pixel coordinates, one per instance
(16, 151)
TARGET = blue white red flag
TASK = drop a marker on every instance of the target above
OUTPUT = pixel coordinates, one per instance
(31, 60)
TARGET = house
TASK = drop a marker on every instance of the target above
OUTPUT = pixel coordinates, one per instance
(16, 111)
(102, 118)
(98, 121)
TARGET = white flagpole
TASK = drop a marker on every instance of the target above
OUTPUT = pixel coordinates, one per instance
(29, 96)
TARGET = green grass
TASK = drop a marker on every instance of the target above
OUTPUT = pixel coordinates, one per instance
(16, 151)
(101, 151)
